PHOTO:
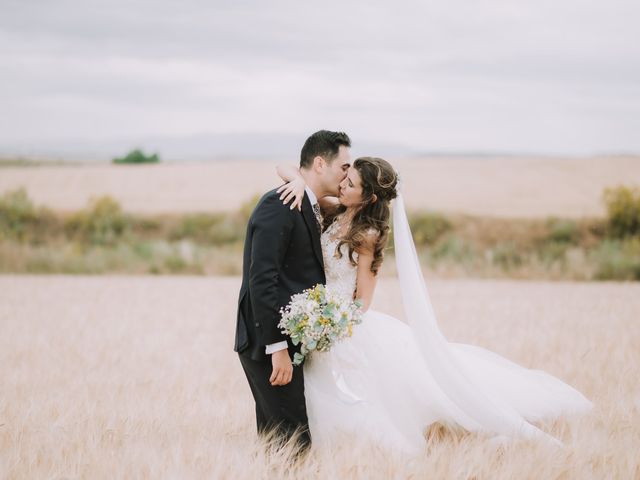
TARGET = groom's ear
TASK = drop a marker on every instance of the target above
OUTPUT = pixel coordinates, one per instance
(318, 163)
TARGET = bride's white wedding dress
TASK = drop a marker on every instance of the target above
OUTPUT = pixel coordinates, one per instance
(391, 379)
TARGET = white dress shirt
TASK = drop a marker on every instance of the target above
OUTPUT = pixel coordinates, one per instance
(276, 347)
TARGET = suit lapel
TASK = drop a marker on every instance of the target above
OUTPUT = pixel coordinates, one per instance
(312, 225)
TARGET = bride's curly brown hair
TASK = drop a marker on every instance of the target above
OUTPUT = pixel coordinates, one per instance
(379, 181)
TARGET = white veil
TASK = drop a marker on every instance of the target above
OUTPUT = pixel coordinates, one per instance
(472, 402)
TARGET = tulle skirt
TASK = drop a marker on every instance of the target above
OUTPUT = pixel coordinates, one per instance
(377, 384)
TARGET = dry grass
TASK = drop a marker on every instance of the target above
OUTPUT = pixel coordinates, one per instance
(501, 187)
(134, 377)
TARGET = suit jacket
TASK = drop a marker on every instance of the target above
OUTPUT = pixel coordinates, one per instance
(282, 257)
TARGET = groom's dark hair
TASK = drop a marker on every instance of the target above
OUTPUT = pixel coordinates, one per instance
(323, 143)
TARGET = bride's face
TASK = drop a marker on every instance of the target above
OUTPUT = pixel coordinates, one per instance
(351, 189)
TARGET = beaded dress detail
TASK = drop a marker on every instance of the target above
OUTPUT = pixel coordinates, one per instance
(340, 273)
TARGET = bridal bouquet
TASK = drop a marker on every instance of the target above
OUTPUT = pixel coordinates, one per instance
(317, 318)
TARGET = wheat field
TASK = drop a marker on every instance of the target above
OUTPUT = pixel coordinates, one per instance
(134, 377)
(527, 187)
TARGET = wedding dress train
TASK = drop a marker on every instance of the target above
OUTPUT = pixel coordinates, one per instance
(392, 379)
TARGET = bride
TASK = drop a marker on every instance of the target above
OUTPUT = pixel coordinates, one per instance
(392, 379)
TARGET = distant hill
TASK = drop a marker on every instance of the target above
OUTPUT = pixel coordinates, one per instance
(196, 147)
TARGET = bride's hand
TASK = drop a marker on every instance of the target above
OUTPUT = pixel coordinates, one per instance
(293, 190)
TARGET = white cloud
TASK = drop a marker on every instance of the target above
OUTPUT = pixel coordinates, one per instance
(491, 75)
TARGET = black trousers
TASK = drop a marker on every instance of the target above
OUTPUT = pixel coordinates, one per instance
(282, 408)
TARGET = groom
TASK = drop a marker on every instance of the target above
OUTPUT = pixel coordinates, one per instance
(282, 257)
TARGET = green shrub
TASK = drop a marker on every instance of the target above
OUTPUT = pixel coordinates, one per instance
(147, 226)
(212, 229)
(21, 221)
(137, 156)
(428, 227)
(507, 255)
(618, 260)
(103, 223)
(229, 230)
(623, 211)
(455, 249)
(17, 213)
(194, 227)
(552, 252)
(563, 231)
(175, 264)
(246, 209)
(143, 250)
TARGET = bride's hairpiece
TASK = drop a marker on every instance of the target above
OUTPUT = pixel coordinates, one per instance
(386, 178)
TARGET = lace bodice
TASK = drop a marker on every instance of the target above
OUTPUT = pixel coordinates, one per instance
(340, 273)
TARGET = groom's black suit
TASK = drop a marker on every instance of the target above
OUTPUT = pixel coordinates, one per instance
(282, 256)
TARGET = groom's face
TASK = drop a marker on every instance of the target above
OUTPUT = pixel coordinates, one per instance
(336, 171)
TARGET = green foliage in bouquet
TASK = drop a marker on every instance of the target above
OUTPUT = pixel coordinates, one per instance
(317, 318)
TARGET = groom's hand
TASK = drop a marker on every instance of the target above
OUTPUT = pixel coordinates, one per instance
(282, 368)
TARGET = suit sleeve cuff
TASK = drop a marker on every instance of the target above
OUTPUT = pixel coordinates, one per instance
(275, 347)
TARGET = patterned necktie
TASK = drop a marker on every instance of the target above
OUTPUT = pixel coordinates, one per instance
(316, 211)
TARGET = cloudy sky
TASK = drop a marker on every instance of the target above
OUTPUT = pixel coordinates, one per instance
(534, 76)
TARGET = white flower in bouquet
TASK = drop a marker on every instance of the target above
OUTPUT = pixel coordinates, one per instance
(317, 318)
